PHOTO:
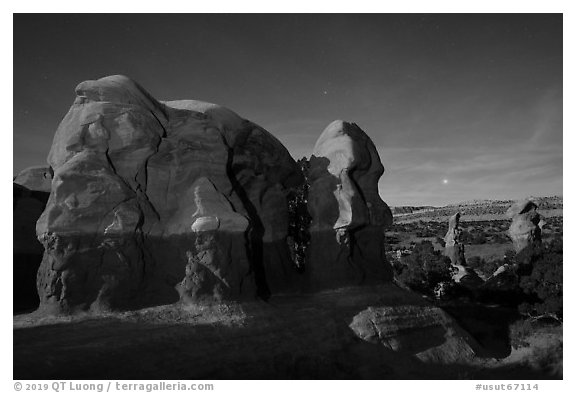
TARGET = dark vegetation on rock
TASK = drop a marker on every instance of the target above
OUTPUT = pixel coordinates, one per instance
(299, 219)
(424, 269)
(541, 279)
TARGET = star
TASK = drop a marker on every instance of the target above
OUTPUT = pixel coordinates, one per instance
(325, 92)
(445, 181)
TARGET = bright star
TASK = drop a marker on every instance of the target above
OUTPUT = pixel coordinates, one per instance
(445, 181)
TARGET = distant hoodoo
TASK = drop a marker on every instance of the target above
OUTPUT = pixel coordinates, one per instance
(454, 248)
(526, 226)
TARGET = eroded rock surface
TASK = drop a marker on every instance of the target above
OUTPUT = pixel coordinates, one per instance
(118, 228)
(425, 332)
(36, 178)
(348, 216)
(525, 228)
(218, 267)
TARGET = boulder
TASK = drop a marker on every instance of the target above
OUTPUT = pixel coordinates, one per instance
(525, 228)
(426, 332)
(348, 215)
(138, 182)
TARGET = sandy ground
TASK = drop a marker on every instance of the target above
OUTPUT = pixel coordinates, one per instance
(292, 337)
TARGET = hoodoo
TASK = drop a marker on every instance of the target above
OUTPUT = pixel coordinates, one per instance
(454, 248)
(348, 215)
(525, 228)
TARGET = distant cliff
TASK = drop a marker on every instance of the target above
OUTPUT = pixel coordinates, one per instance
(475, 210)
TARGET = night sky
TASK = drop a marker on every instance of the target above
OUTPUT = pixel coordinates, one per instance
(460, 107)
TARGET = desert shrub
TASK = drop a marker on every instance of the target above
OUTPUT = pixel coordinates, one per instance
(519, 331)
(546, 358)
(485, 267)
(466, 237)
(425, 268)
(441, 230)
(540, 271)
(425, 233)
(475, 262)
(499, 238)
(502, 289)
(397, 266)
(479, 238)
(549, 359)
(510, 256)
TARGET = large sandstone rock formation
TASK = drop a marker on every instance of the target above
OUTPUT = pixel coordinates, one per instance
(525, 228)
(348, 216)
(155, 202)
(137, 186)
